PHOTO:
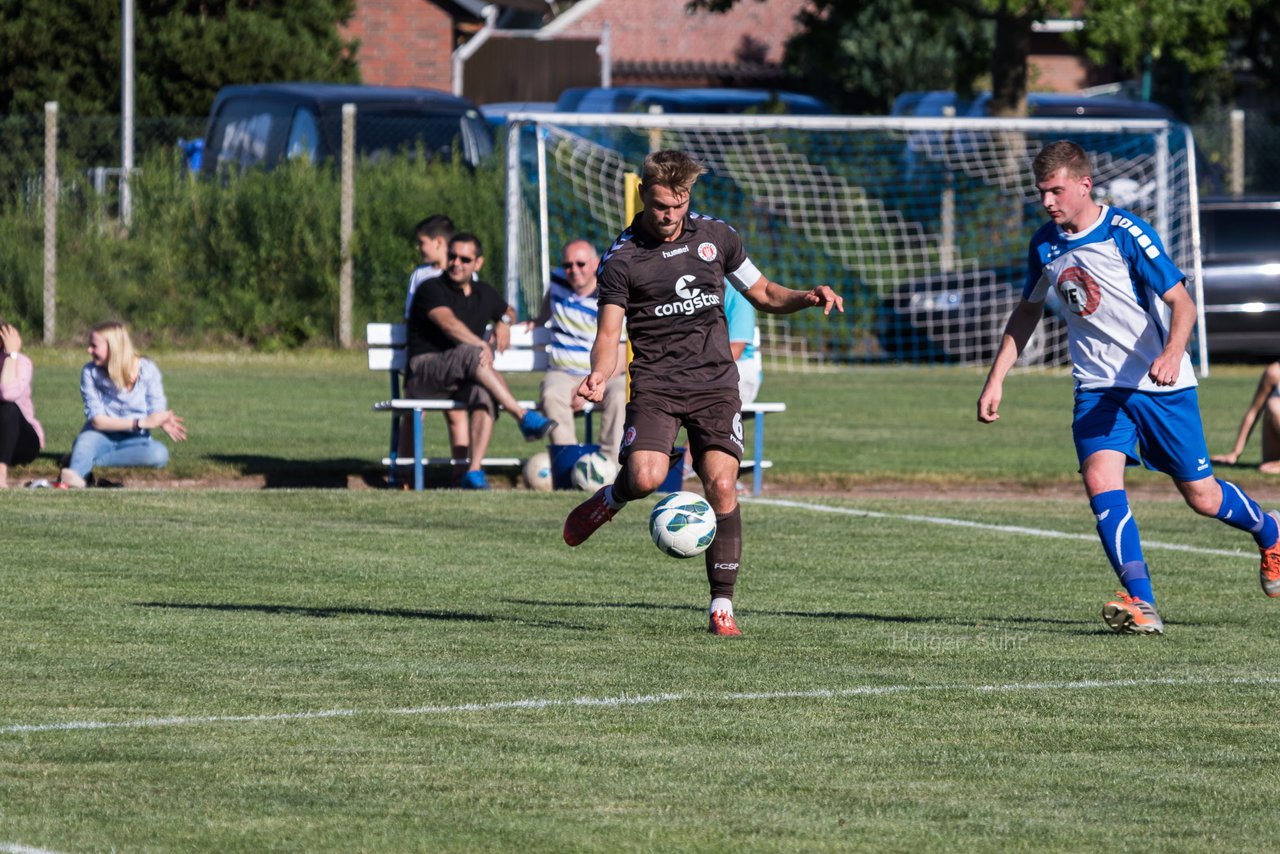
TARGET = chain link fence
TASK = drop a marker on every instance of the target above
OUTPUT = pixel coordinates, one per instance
(255, 260)
(1242, 148)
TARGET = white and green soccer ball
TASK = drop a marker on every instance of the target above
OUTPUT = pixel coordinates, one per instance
(592, 471)
(682, 524)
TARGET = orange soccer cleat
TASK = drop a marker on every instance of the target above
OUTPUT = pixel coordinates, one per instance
(1269, 571)
(1131, 615)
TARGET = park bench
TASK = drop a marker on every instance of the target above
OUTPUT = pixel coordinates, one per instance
(387, 353)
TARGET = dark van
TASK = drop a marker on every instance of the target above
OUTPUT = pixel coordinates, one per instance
(266, 123)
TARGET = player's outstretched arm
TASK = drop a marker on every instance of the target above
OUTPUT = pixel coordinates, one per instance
(777, 299)
(604, 352)
(1022, 322)
(1182, 317)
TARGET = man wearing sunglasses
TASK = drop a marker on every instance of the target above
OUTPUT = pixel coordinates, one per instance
(569, 306)
(450, 357)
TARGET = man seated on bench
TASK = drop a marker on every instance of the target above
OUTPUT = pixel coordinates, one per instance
(448, 356)
(570, 305)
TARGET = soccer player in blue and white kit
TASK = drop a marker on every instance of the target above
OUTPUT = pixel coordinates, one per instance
(666, 275)
(1129, 320)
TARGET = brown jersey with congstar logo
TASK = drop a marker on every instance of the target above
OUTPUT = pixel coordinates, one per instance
(673, 295)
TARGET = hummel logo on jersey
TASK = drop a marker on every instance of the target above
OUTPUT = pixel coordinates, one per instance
(674, 252)
(691, 299)
(1141, 236)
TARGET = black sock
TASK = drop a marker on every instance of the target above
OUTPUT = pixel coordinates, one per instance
(724, 554)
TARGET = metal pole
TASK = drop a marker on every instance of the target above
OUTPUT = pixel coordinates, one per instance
(513, 208)
(605, 50)
(947, 248)
(1237, 152)
(50, 220)
(126, 112)
(345, 287)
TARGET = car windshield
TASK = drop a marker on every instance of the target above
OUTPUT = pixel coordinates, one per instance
(380, 133)
(1243, 232)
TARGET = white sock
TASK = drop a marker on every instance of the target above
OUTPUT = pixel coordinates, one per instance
(721, 604)
(614, 504)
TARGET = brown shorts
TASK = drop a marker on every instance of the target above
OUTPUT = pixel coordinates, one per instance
(449, 374)
(711, 419)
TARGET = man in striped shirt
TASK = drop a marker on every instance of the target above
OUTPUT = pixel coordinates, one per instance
(570, 306)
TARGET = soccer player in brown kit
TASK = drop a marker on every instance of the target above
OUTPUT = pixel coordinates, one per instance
(666, 274)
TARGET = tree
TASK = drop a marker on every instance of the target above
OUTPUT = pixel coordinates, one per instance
(862, 59)
(894, 45)
(1194, 36)
(69, 51)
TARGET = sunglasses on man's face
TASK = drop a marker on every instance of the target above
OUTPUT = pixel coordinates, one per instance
(460, 258)
(576, 263)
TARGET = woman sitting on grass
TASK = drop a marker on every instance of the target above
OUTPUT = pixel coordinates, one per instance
(21, 436)
(1266, 400)
(123, 402)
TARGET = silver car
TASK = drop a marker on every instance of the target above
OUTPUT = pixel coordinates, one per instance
(1240, 260)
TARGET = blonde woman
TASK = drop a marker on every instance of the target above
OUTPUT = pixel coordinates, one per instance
(123, 402)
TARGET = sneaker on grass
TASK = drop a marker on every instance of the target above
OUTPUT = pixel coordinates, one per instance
(474, 480)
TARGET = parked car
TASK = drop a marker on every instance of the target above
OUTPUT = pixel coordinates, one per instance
(646, 99)
(960, 317)
(267, 123)
(496, 113)
(1240, 272)
(1039, 105)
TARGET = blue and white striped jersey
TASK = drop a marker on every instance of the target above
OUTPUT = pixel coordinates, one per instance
(1111, 278)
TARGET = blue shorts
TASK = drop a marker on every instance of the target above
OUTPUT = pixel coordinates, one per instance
(1165, 427)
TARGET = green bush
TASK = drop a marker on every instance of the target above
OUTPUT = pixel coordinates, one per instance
(250, 260)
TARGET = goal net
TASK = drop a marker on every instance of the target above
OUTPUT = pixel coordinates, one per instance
(920, 224)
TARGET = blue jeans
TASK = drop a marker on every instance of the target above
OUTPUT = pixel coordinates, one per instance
(125, 450)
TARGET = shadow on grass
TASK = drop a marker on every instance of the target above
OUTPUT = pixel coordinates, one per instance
(281, 473)
(1045, 624)
(345, 611)
(654, 606)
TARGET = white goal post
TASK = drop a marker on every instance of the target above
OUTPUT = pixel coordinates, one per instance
(920, 223)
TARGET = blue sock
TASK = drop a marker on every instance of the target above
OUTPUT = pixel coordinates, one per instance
(1137, 581)
(1120, 540)
(1240, 511)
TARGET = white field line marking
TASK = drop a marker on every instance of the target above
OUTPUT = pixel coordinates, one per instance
(640, 700)
(1003, 529)
(12, 848)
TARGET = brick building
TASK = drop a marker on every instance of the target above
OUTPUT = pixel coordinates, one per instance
(516, 50)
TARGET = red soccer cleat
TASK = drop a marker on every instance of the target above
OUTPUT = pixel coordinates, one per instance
(586, 518)
(722, 624)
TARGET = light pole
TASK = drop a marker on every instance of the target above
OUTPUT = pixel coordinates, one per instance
(126, 110)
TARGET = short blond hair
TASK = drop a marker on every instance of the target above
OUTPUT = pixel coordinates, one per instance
(672, 169)
(123, 362)
(1063, 154)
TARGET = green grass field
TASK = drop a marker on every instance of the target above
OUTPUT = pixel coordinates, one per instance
(367, 670)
